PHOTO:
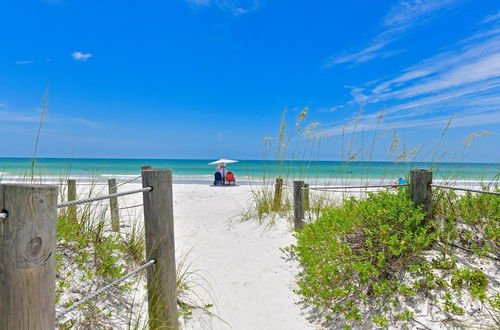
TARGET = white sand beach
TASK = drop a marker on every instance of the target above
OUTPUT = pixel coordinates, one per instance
(247, 277)
(239, 266)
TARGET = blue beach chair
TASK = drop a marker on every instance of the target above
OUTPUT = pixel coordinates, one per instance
(218, 179)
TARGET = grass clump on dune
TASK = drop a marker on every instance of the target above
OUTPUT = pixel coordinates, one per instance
(90, 255)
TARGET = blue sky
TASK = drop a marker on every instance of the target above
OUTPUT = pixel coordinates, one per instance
(210, 78)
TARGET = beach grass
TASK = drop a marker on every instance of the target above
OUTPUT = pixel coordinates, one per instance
(367, 257)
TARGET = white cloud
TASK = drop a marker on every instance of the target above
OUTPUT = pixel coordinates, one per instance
(233, 7)
(8, 116)
(462, 119)
(483, 69)
(409, 12)
(34, 117)
(24, 62)
(491, 18)
(53, 2)
(405, 16)
(474, 62)
(200, 2)
(79, 56)
(86, 122)
(463, 79)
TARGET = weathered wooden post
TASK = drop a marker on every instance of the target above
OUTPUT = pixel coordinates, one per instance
(159, 228)
(306, 196)
(27, 256)
(298, 204)
(421, 190)
(278, 191)
(71, 197)
(113, 206)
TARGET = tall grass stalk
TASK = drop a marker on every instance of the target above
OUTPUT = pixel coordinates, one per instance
(43, 115)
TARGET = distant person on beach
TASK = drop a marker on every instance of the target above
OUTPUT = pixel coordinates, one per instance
(223, 172)
(399, 182)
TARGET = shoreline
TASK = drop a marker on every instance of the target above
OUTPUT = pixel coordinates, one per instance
(208, 180)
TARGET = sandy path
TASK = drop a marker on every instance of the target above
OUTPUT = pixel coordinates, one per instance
(249, 278)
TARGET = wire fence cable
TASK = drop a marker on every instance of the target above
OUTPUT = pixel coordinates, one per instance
(131, 207)
(128, 181)
(98, 198)
(497, 193)
(358, 187)
(103, 289)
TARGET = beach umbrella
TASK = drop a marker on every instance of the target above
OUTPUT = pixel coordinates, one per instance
(223, 161)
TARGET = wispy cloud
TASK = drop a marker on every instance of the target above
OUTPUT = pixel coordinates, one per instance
(79, 56)
(200, 2)
(233, 7)
(24, 62)
(462, 79)
(34, 117)
(477, 61)
(491, 18)
(8, 116)
(53, 2)
(406, 15)
(459, 120)
(86, 122)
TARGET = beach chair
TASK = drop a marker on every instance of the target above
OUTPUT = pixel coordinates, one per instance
(230, 178)
(218, 179)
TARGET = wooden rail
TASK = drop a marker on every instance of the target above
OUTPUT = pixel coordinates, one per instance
(420, 189)
(28, 248)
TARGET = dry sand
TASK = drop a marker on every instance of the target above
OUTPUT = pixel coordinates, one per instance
(246, 274)
(238, 265)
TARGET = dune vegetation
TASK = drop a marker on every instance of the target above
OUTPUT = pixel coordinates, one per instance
(374, 259)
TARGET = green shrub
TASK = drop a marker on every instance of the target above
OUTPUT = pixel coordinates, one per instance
(353, 252)
(362, 261)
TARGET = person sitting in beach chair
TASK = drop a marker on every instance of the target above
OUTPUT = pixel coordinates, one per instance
(223, 173)
(230, 178)
(218, 179)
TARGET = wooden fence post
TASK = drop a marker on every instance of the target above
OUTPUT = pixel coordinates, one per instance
(113, 206)
(72, 197)
(421, 190)
(159, 230)
(278, 189)
(27, 256)
(306, 196)
(298, 204)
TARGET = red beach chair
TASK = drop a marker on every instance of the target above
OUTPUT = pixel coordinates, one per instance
(230, 178)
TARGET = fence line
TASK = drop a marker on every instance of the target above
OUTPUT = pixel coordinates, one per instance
(130, 207)
(128, 181)
(79, 183)
(34, 209)
(467, 189)
(103, 289)
(359, 187)
(94, 199)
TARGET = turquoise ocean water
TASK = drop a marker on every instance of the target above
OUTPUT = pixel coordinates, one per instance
(194, 170)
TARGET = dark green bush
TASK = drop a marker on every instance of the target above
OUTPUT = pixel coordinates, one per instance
(362, 260)
(354, 251)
